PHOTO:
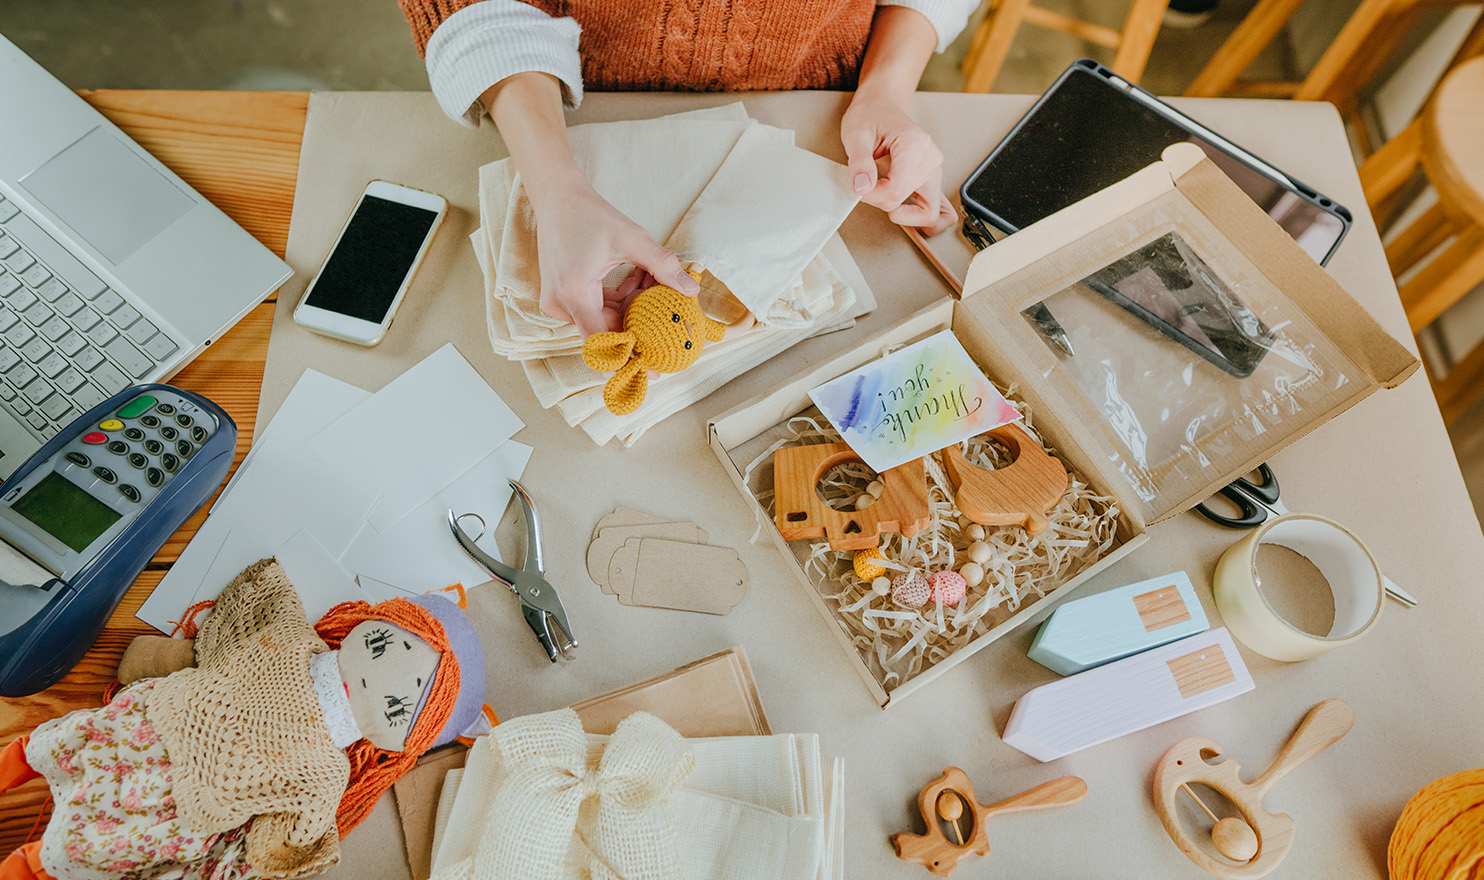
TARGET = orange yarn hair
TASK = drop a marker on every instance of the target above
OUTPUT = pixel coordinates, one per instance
(373, 770)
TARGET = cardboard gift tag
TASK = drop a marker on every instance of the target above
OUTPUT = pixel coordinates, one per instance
(601, 550)
(626, 516)
(684, 577)
(621, 569)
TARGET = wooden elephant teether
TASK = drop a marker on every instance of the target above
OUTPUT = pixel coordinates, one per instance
(1186, 762)
(951, 799)
(801, 514)
(1019, 494)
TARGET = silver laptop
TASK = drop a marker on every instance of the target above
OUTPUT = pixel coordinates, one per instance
(112, 270)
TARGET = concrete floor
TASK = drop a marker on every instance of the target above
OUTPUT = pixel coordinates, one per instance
(365, 44)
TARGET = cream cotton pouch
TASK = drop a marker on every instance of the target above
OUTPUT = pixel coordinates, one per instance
(700, 183)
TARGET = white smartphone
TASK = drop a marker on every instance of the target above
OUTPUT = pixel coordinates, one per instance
(356, 292)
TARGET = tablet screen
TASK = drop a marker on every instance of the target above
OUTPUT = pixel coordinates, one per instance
(1087, 134)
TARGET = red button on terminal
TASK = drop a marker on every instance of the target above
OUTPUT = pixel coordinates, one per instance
(94, 437)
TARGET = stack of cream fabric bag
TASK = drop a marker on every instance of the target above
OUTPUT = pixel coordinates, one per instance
(539, 799)
(718, 189)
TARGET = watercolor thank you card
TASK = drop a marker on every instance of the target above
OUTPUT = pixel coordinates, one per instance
(912, 402)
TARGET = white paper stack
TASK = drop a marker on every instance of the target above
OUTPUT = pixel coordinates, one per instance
(753, 808)
(351, 491)
(718, 189)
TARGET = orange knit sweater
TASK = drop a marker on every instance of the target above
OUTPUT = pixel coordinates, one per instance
(700, 45)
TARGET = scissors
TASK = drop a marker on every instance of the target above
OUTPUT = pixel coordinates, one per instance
(539, 601)
(1257, 502)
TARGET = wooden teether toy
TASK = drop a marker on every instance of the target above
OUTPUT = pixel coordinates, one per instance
(1019, 494)
(663, 330)
(802, 514)
(1268, 836)
(951, 798)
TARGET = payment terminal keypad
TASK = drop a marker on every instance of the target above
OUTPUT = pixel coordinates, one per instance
(131, 454)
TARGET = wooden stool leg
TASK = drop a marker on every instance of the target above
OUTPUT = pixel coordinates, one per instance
(1140, 27)
(1418, 240)
(993, 38)
(1393, 165)
(1445, 280)
(1336, 69)
(1458, 390)
(1253, 35)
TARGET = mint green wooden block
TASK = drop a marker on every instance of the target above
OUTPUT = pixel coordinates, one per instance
(1119, 623)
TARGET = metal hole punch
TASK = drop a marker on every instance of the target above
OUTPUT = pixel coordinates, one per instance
(539, 601)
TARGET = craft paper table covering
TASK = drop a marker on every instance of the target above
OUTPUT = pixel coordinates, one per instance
(1407, 680)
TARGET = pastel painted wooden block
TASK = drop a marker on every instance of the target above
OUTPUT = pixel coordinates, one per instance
(1128, 695)
(1119, 623)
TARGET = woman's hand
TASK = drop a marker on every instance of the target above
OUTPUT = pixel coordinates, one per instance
(894, 164)
(580, 238)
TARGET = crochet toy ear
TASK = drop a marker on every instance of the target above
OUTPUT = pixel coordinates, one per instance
(625, 391)
(608, 351)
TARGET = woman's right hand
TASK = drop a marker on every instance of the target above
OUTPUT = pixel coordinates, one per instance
(580, 238)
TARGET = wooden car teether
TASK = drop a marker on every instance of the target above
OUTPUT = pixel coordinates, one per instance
(951, 799)
(1186, 762)
(802, 514)
(1020, 493)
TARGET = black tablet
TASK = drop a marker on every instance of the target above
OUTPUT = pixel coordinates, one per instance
(1093, 129)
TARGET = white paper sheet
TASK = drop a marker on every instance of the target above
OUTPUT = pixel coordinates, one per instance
(321, 582)
(314, 403)
(286, 490)
(417, 434)
(418, 553)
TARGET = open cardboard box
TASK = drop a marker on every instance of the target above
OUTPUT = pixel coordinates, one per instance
(1184, 194)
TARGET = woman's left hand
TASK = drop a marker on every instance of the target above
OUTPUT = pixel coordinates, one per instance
(894, 164)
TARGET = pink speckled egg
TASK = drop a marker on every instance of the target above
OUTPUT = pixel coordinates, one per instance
(949, 587)
(910, 589)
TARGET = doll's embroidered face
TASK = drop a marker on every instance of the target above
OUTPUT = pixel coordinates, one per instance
(386, 671)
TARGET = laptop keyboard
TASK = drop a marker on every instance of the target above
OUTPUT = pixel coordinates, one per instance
(67, 342)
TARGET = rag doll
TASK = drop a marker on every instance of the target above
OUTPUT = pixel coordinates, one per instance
(257, 759)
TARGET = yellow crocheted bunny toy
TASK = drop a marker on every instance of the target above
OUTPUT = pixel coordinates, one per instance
(663, 330)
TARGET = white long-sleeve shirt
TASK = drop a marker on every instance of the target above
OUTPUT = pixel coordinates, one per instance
(486, 42)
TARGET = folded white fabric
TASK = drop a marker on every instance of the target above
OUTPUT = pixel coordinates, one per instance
(727, 808)
(718, 188)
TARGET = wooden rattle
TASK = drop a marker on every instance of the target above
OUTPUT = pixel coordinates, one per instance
(1268, 836)
(802, 514)
(1020, 493)
(948, 797)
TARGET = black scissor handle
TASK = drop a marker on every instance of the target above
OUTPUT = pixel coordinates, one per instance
(1253, 514)
(1267, 490)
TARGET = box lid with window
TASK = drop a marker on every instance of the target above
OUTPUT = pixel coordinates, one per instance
(1176, 333)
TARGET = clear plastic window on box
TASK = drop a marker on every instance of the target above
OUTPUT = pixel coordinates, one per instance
(1184, 368)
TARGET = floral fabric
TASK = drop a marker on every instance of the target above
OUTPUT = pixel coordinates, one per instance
(115, 814)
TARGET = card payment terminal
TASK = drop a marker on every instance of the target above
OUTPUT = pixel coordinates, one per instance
(80, 519)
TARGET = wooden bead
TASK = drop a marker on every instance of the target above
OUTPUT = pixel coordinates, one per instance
(1234, 839)
(949, 806)
(975, 532)
(865, 500)
(875, 488)
(964, 523)
(973, 573)
(979, 552)
(881, 586)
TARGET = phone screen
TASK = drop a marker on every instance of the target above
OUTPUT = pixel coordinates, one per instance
(372, 259)
(1087, 134)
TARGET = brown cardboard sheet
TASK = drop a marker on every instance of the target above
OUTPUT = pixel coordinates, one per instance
(1385, 468)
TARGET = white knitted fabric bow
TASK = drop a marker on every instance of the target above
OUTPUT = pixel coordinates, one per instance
(552, 784)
